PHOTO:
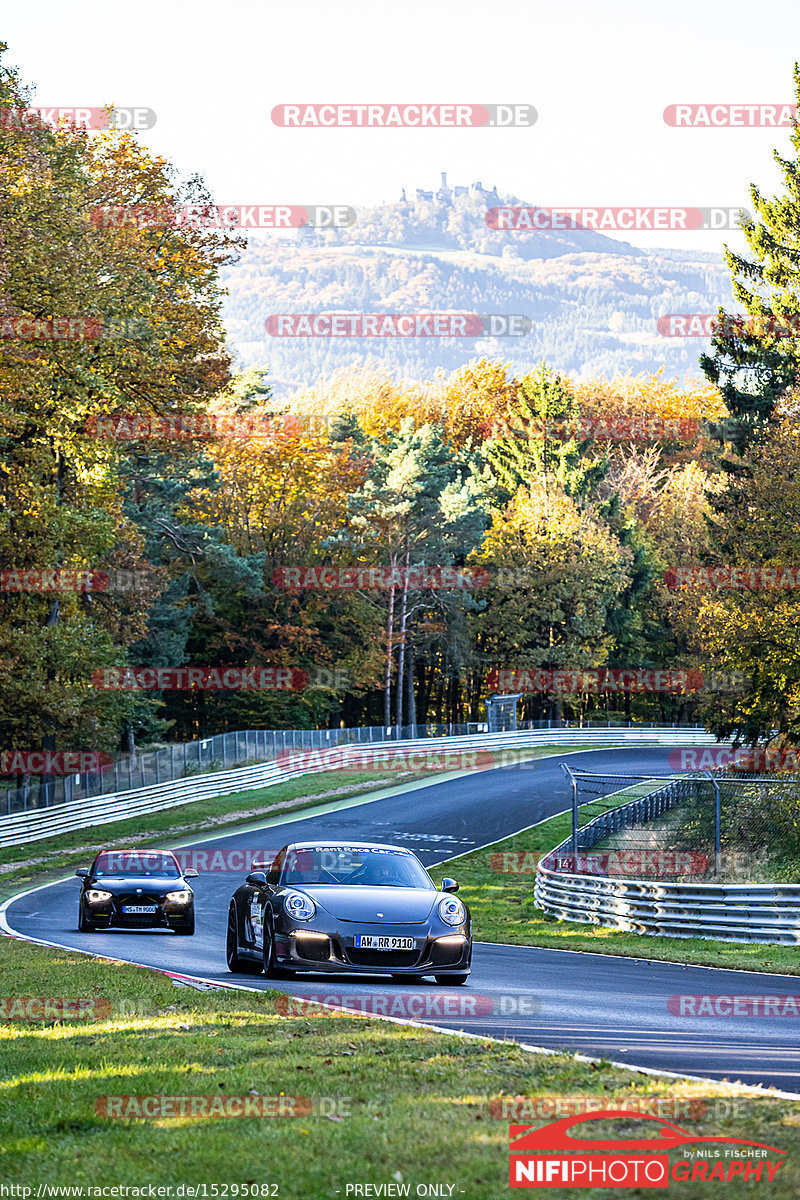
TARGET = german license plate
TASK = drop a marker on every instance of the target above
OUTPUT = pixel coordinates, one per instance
(139, 908)
(365, 941)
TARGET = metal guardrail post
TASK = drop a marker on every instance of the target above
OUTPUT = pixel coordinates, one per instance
(717, 826)
(574, 783)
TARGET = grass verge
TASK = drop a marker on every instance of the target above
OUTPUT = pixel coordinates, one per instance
(503, 910)
(389, 1104)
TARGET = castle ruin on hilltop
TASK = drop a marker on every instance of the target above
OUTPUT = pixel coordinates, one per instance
(445, 195)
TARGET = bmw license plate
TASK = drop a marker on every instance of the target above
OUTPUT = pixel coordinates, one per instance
(364, 941)
(140, 908)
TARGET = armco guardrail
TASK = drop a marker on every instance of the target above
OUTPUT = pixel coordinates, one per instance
(765, 913)
(231, 751)
(34, 825)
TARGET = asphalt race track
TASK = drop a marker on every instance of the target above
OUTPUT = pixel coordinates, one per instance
(596, 1005)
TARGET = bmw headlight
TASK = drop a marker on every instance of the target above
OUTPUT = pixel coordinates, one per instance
(179, 897)
(299, 906)
(97, 897)
(452, 911)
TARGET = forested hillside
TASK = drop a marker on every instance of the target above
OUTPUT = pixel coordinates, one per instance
(593, 301)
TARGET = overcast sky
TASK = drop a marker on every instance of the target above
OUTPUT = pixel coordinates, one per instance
(599, 75)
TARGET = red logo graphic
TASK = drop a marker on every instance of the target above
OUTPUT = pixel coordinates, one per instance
(625, 1166)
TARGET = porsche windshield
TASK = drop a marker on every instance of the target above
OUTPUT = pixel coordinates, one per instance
(135, 862)
(366, 868)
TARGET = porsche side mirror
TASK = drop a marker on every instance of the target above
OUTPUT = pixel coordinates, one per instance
(82, 872)
(449, 885)
(190, 873)
(257, 878)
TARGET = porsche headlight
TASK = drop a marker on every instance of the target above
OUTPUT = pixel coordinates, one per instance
(96, 897)
(179, 897)
(452, 911)
(299, 906)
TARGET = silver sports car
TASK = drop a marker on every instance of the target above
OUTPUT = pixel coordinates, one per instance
(355, 907)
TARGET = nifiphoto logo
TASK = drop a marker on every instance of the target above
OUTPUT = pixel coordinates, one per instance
(554, 1156)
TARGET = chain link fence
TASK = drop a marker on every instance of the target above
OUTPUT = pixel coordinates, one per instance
(725, 827)
(228, 751)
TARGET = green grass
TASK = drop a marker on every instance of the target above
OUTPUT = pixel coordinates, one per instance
(503, 909)
(390, 1104)
(42, 862)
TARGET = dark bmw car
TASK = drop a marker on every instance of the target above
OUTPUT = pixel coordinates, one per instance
(355, 907)
(136, 889)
